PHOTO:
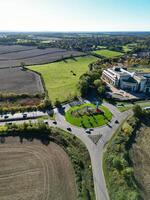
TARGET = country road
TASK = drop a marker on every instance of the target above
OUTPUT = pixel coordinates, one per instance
(95, 150)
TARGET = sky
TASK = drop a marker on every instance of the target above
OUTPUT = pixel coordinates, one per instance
(75, 15)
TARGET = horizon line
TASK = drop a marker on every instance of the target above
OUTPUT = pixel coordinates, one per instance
(77, 31)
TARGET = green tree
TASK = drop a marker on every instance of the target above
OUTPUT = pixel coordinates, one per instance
(101, 90)
(57, 103)
(97, 83)
(117, 163)
(84, 87)
(138, 112)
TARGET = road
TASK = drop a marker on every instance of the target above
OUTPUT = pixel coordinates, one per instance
(95, 150)
(19, 116)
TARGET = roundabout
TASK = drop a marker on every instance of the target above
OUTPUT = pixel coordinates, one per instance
(88, 115)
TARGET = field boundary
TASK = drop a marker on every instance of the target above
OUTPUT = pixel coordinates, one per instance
(42, 80)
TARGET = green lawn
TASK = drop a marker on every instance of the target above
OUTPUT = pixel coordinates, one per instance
(126, 48)
(88, 121)
(60, 82)
(107, 53)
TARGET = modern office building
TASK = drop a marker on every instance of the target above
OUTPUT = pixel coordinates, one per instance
(121, 78)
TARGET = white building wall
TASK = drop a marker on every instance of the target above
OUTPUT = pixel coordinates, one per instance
(116, 79)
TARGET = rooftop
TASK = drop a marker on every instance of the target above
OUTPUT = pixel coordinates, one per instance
(120, 71)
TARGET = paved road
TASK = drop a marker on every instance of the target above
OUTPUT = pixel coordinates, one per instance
(19, 116)
(95, 150)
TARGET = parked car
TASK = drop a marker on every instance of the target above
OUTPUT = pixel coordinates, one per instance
(117, 122)
(54, 122)
(147, 108)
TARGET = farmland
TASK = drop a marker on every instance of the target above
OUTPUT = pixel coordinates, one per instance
(61, 78)
(4, 49)
(108, 53)
(35, 164)
(14, 80)
(12, 56)
(140, 157)
(31, 170)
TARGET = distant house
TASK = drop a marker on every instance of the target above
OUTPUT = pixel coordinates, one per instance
(145, 54)
(121, 78)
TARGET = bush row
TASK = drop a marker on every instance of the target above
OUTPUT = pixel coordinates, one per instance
(14, 97)
(43, 106)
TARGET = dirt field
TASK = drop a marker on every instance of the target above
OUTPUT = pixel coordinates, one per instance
(140, 156)
(4, 49)
(14, 80)
(31, 170)
(11, 56)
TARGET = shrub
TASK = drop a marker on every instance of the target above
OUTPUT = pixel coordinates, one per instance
(117, 166)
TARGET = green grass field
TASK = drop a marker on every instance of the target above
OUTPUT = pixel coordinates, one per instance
(60, 82)
(107, 53)
(126, 48)
(88, 121)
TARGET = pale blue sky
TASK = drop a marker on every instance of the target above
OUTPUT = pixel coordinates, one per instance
(75, 15)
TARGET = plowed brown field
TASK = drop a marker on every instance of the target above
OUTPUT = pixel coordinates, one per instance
(33, 171)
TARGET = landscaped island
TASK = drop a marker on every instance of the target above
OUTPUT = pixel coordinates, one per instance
(88, 116)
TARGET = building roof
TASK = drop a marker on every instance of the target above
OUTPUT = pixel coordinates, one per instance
(119, 71)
